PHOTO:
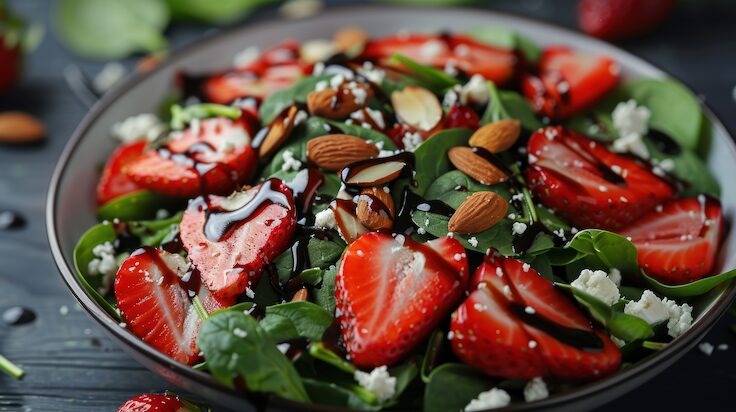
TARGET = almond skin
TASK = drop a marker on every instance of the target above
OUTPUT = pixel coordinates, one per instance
(417, 107)
(375, 208)
(480, 211)
(338, 104)
(279, 131)
(497, 136)
(20, 128)
(300, 295)
(335, 151)
(475, 166)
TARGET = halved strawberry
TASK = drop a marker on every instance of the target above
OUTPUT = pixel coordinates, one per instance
(569, 82)
(114, 182)
(153, 289)
(461, 116)
(678, 243)
(517, 325)
(392, 291)
(589, 185)
(230, 239)
(151, 402)
(214, 156)
(462, 52)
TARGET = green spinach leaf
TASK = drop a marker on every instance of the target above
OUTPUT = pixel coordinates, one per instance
(156, 232)
(287, 321)
(507, 104)
(433, 78)
(98, 234)
(139, 205)
(325, 294)
(277, 102)
(452, 386)
(431, 156)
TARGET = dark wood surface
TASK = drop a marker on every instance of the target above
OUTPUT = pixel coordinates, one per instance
(72, 366)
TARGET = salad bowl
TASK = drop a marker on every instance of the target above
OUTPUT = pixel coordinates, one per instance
(71, 204)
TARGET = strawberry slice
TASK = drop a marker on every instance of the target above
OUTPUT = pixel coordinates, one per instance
(678, 243)
(151, 402)
(212, 156)
(617, 19)
(114, 182)
(569, 82)
(392, 291)
(517, 325)
(153, 289)
(589, 185)
(461, 52)
(231, 239)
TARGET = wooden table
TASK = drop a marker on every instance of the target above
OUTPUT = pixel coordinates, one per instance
(72, 366)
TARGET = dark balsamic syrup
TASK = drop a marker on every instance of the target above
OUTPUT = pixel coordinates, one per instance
(304, 187)
(201, 169)
(578, 338)
(664, 143)
(10, 220)
(411, 201)
(349, 172)
(18, 315)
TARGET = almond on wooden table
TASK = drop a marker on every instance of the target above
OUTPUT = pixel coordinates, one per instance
(335, 151)
(417, 107)
(480, 211)
(475, 166)
(20, 128)
(497, 136)
(375, 208)
(279, 130)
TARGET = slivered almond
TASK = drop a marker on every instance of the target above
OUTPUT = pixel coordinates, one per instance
(375, 208)
(480, 211)
(20, 128)
(375, 174)
(497, 136)
(475, 166)
(300, 295)
(350, 40)
(348, 224)
(417, 107)
(279, 130)
(335, 151)
(339, 103)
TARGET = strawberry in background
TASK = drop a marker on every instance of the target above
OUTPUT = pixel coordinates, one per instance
(618, 19)
(10, 48)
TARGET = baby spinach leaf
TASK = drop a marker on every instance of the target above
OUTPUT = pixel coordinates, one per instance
(453, 181)
(156, 232)
(277, 102)
(218, 12)
(431, 156)
(287, 321)
(318, 351)
(695, 288)
(234, 344)
(432, 77)
(506, 39)
(322, 253)
(111, 29)
(688, 167)
(497, 237)
(351, 396)
(434, 347)
(238, 307)
(139, 205)
(182, 116)
(507, 104)
(325, 294)
(607, 249)
(98, 234)
(452, 386)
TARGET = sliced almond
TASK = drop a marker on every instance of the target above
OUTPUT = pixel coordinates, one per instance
(348, 224)
(475, 166)
(339, 103)
(300, 295)
(350, 40)
(278, 132)
(480, 211)
(375, 208)
(20, 128)
(335, 151)
(497, 136)
(417, 107)
(373, 174)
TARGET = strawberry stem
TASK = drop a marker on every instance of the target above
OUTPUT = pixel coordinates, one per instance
(10, 368)
(199, 308)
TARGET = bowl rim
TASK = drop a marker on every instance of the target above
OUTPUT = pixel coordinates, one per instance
(677, 347)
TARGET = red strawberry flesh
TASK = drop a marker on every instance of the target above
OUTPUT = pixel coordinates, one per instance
(114, 182)
(153, 403)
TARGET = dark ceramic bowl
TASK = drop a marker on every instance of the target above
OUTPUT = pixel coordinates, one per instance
(71, 201)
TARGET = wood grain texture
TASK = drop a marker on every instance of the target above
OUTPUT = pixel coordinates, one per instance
(72, 366)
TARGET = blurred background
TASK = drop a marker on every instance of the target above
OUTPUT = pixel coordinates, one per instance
(58, 57)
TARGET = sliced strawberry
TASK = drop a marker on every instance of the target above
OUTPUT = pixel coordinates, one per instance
(679, 243)
(114, 181)
(231, 239)
(514, 325)
(569, 82)
(462, 52)
(589, 185)
(461, 116)
(617, 19)
(151, 402)
(153, 289)
(215, 156)
(391, 292)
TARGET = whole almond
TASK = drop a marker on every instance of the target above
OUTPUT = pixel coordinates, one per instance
(497, 136)
(480, 211)
(350, 40)
(475, 166)
(417, 107)
(278, 132)
(20, 128)
(300, 295)
(335, 151)
(339, 103)
(375, 208)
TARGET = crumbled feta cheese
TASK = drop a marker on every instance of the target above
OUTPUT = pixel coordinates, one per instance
(706, 348)
(649, 307)
(411, 141)
(597, 284)
(325, 219)
(473, 241)
(290, 162)
(630, 118)
(450, 98)
(371, 73)
(492, 399)
(104, 262)
(535, 390)
(451, 68)
(615, 276)
(138, 127)
(680, 317)
(246, 56)
(377, 381)
(518, 228)
(631, 143)
(475, 91)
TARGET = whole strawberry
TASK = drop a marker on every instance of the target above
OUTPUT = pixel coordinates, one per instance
(618, 19)
(10, 48)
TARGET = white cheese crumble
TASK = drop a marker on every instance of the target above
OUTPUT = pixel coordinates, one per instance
(138, 127)
(655, 310)
(377, 381)
(104, 262)
(631, 143)
(240, 333)
(371, 73)
(630, 120)
(518, 228)
(492, 399)
(475, 91)
(325, 219)
(290, 162)
(615, 276)
(411, 141)
(597, 284)
(535, 390)
(473, 241)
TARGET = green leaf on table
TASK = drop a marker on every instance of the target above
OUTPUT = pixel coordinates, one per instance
(277, 102)
(217, 12)
(431, 77)
(291, 320)
(111, 29)
(97, 235)
(431, 156)
(234, 345)
(507, 104)
(156, 232)
(506, 39)
(452, 386)
(139, 205)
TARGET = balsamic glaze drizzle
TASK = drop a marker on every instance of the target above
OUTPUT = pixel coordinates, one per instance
(577, 338)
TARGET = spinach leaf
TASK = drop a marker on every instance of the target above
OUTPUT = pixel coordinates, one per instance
(351, 395)
(695, 288)
(111, 29)
(433, 78)
(506, 39)
(452, 386)
(322, 253)
(453, 181)
(238, 307)
(431, 156)
(325, 294)
(277, 102)
(218, 12)
(287, 321)
(156, 232)
(689, 168)
(434, 347)
(98, 234)
(507, 104)
(182, 116)
(234, 344)
(139, 205)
